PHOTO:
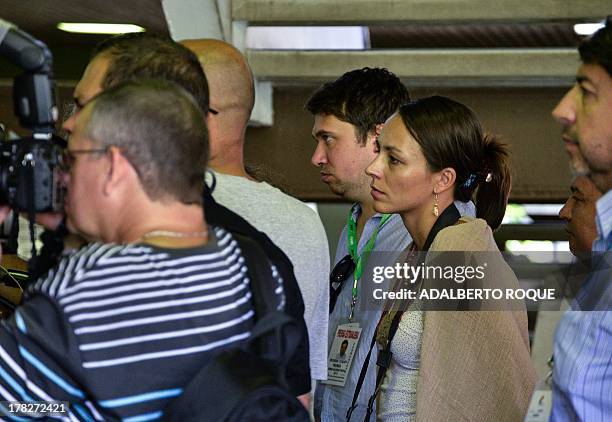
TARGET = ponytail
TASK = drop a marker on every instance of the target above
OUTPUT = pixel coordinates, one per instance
(450, 135)
(496, 179)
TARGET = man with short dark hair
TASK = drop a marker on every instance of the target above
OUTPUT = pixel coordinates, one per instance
(120, 327)
(582, 379)
(584, 112)
(341, 356)
(348, 116)
(143, 55)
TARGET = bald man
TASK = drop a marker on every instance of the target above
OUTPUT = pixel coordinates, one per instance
(232, 96)
(291, 224)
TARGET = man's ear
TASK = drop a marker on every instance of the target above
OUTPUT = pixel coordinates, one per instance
(374, 134)
(378, 128)
(444, 180)
(118, 171)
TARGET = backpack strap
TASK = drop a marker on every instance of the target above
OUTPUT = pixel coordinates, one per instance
(269, 313)
(449, 217)
(222, 383)
(298, 368)
(262, 284)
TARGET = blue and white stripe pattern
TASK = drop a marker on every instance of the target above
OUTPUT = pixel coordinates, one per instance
(119, 330)
(582, 373)
(603, 220)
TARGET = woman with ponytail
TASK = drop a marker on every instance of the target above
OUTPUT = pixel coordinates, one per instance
(453, 364)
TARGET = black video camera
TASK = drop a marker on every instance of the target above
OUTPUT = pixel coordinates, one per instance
(30, 178)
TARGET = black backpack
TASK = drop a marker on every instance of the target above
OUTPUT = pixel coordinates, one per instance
(298, 369)
(247, 383)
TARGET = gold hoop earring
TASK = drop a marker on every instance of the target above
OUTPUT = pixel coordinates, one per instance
(436, 212)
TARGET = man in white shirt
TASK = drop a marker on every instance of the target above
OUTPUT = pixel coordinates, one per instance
(289, 223)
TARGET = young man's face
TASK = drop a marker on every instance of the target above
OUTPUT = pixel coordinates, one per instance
(586, 115)
(341, 158)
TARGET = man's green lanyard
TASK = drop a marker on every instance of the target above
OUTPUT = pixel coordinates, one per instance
(360, 260)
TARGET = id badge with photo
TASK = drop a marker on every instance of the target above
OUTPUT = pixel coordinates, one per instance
(540, 406)
(342, 353)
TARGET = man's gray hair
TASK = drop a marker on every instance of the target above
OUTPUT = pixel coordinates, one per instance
(161, 131)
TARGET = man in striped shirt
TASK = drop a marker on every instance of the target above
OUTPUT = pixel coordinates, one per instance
(582, 373)
(143, 55)
(119, 327)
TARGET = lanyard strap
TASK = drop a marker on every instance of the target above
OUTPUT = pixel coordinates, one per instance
(383, 362)
(360, 260)
(448, 218)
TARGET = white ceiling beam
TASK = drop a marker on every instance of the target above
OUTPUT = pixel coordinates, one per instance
(448, 67)
(361, 12)
(192, 19)
(195, 19)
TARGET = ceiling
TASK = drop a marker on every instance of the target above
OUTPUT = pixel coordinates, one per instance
(71, 51)
(40, 17)
(508, 35)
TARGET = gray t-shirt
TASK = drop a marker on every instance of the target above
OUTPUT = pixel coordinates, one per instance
(297, 230)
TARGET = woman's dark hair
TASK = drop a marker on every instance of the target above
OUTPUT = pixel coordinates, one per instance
(450, 135)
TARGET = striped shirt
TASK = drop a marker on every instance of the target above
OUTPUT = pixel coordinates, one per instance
(119, 330)
(603, 220)
(582, 372)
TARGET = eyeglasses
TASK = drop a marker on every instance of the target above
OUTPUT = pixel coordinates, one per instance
(339, 274)
(212, 111)
(69, 155)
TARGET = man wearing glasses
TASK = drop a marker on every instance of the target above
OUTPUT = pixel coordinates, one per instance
(123, 57)
(119, 328)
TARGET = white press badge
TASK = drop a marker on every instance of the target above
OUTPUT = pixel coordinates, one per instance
(342, 352)
(540, 406)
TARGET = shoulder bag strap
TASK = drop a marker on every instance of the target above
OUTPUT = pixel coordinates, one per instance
(276, 333)
(449, 217)
(266, 338)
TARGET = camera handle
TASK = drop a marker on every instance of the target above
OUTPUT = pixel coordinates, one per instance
(28, 167)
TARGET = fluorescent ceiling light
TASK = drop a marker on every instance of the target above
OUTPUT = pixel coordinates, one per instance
(308, 38)
(587, 28)
(99, 28)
